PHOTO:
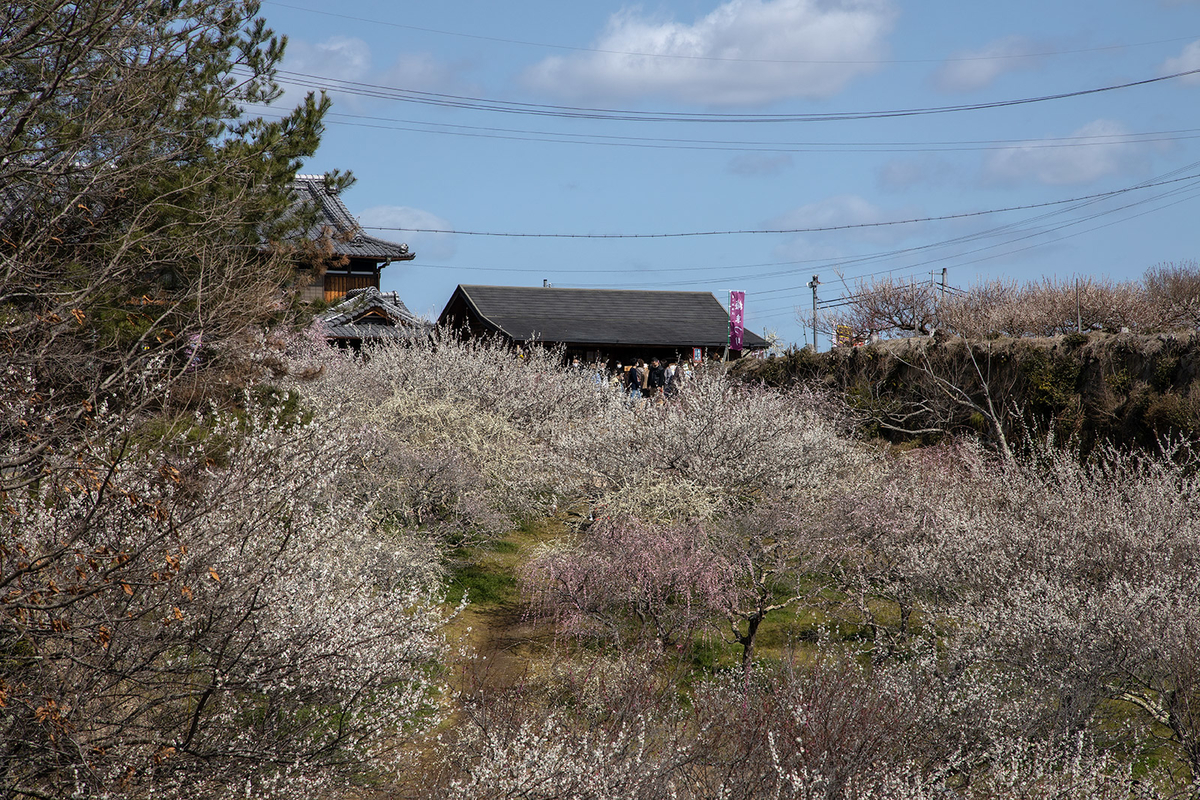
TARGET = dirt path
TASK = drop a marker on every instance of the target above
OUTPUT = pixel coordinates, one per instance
(507, 645)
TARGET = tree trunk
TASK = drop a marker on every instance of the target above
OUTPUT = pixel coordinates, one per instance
(747, 641)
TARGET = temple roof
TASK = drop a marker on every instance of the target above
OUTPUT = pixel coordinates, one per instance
(370, 314)
(334, 218)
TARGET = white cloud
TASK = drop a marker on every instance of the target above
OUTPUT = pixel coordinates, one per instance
(904, 173)
(849, 210)
(743, 53)
(1096, 150)
(427, 246)
(339, 57)
(760, 164)
(423, 72)
(969, 70)
(799, 249)
(1189, 59)
(342, 58)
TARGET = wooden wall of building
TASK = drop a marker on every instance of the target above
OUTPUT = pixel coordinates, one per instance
(337, 284)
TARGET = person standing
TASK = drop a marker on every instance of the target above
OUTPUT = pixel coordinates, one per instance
(636, 376)
(657, 379)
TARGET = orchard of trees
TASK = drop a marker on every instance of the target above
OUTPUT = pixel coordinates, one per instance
(228, 552)
(1166, 299)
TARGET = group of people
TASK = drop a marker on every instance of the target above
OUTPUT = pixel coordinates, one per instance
(639, 379)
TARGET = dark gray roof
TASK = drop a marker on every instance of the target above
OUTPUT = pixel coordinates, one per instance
(333, 217)
(602, 316)
(353, 318)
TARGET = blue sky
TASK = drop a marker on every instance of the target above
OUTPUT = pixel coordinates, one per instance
(700, 120)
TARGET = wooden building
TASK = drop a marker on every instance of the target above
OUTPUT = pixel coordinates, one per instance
(369, 316)
(357, 257)
(598, 324)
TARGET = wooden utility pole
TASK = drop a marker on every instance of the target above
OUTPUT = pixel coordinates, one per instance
(1078, 312)
(813, 284)
(912, 286)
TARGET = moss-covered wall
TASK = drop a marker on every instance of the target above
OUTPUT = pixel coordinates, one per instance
(1127, 389)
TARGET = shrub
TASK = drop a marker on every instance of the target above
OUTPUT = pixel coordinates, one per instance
(721, 445)
(179, 625)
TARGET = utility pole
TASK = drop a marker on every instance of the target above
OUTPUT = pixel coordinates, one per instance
(813, 284)
(937, 311)
(912, 285)
(1079, 314)
(728, 336)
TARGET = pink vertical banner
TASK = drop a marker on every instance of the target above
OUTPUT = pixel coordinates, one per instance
(737, 315)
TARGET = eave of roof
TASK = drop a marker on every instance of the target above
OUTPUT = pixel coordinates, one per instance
(364, 332)
(348, 238)
(363, 302)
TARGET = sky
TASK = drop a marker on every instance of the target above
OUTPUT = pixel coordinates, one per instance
(752, 144)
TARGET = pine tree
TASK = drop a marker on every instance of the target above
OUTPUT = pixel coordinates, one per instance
(136, 196)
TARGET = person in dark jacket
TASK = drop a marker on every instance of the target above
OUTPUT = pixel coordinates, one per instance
(657, 379)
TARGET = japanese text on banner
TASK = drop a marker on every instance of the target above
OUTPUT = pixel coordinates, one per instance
(737, 309)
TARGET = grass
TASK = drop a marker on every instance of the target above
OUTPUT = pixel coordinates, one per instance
(486, 574)
(506, 645)
(481, 585)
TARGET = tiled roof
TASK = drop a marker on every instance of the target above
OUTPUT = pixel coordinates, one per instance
(367, 332)
(353, 318)
(333, 214)
(602, 316)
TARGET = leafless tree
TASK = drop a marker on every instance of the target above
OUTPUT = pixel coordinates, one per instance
(938, 386)
(886, 306)
(1174, 290)
(1166, 299)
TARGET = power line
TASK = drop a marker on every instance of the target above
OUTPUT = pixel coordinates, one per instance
(798, 290)
(668, 143)
(852, 298)
(817, 229)
(685, 57)
(1010, 228)
(838, 265)
(1025, 235)
(768, 312)
(624, 115)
